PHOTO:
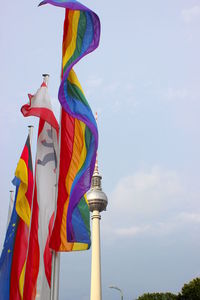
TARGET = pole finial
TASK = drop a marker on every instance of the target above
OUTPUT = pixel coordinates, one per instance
(46, 78)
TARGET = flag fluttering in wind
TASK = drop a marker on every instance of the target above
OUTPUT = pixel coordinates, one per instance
(79, 135)
(38, 266)
(13, 258)
(8, 250)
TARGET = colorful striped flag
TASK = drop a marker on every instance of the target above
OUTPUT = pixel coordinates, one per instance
(37, 282)
(13, 259)
(79, 136)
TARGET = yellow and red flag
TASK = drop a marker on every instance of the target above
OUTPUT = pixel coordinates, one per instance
(13, 258)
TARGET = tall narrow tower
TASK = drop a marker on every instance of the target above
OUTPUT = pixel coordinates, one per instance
(98, 201)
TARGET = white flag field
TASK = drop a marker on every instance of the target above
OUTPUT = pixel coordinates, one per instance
(38, 267)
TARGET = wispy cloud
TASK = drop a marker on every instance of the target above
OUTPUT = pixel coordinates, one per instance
(93, 84)
(173, 94)
(147, 192)
(151, 202)
(112, 87)
(191, 14)
(157, 228)
(166, 227)
(188, 217)
(172, 225)
(132, 231)
(110, 95)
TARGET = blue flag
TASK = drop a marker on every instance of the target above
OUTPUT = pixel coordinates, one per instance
(7, 252)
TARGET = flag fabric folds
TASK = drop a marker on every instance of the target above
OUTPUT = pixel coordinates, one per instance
(24, 172)
(8, 250)
(79, 135)
(38, 266)
(13, 258)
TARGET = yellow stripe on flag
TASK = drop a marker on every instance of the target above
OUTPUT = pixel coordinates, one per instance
(22, 205)
(21, 281)
(79, 154)
(71, 36)
(73, 79)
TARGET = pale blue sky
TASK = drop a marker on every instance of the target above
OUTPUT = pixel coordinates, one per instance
(144, 82)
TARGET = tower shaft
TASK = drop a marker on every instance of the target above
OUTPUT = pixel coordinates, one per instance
(97, 201)
(95, 291)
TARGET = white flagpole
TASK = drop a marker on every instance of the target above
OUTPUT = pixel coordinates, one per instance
(52, 275)
(55, 264)
(55, 267)
(30, 133)
(10, 206)
(55, 275)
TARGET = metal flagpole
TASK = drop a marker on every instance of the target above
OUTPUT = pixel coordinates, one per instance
(10, 206)
(55, 274)
(55, 268)
(30, 132)
(55, 264)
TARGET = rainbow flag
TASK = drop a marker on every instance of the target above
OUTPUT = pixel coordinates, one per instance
(79, 135)
(13, 258)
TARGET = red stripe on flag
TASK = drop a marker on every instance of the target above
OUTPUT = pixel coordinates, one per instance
(21, 240)
(48, 254)
(40, 112)
(65, 31)
(41, 126)
(33, 258)
(19, 257)
(66, 149)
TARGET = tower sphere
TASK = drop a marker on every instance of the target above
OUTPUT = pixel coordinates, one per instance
(97, 199)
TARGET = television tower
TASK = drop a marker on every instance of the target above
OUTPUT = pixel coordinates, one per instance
(97, 201)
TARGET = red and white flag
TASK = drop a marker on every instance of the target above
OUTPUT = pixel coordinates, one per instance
(37, 284)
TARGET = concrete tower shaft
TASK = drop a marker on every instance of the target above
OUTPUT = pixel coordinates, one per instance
(97, 201)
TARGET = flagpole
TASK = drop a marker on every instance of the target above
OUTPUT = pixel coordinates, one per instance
(30, 132)
(10, 206)
(55, 268)
(55, 274)
(55, 263)
(53, 260)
